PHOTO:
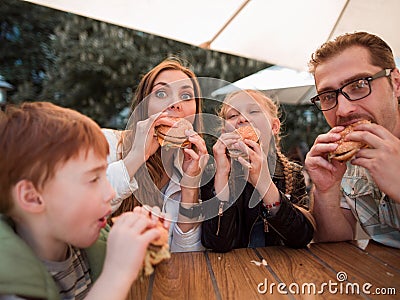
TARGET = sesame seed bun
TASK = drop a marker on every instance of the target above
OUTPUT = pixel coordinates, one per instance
(347, 149)
(174, 137)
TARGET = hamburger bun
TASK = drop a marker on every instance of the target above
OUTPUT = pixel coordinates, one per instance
(174, 137)
(246, 132)
(157, 251)
(347, 149)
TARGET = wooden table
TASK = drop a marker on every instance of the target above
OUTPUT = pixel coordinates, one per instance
(232, 275)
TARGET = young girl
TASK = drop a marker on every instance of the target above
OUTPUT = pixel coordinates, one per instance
(256, 209)
(141, 171)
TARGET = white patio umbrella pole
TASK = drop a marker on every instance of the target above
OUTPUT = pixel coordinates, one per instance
(338, 20)
(206, 45)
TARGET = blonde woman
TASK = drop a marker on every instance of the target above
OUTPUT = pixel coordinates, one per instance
(141, 171)
(256, 209)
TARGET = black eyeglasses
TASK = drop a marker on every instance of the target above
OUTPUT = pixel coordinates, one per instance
(354, 90)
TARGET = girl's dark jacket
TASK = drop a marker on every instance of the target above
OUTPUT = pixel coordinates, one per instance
(232, 230)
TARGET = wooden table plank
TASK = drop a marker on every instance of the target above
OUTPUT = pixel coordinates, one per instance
(388, 255)
(209, 275)
(359, 266)
(139, 288)
(302, 273)
(237, 277)
(183, 276)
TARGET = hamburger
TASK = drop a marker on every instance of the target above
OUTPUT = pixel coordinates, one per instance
(174, 136)
(157, 251)
(245, 132)
(347, 149)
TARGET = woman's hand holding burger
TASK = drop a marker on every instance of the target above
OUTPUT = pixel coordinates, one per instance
(193, 166)
(179, 134)
(145, 143)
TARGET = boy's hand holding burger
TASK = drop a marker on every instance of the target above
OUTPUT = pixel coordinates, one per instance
(146, 224)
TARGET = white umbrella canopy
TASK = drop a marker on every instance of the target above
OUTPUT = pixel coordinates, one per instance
(282, 32)
(281, 84)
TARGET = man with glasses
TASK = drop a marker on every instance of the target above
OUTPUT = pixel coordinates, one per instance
(357, 79)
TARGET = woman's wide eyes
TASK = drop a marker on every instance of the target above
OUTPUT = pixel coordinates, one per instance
(184, 96)
(187, 96)
(161, 94)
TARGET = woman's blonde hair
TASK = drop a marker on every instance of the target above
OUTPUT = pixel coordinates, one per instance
(148, 192)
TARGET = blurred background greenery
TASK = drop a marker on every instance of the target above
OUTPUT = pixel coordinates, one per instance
(94, 67)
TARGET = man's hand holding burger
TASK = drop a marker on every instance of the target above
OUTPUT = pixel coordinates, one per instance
(324, 173)
(381, 158)
(325, 161)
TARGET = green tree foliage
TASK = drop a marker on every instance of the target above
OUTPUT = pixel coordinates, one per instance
(92, 67)
(24, 33)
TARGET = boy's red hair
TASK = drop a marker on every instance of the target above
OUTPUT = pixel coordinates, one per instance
(35, 138)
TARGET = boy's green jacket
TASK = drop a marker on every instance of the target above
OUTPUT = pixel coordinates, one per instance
(23, 274)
